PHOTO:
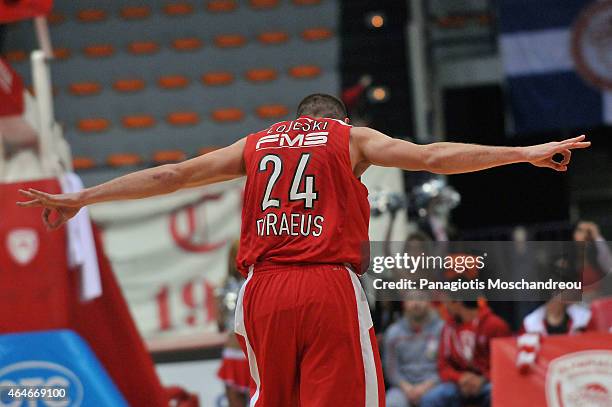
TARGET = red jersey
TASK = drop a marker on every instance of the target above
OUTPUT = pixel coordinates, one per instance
(302, 202)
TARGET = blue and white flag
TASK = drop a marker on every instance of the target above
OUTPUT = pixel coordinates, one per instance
(557, 58)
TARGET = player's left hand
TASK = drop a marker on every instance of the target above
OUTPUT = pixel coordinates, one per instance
(542, 155)
(60, 207)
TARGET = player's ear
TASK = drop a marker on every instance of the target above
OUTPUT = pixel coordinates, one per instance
(347, 120)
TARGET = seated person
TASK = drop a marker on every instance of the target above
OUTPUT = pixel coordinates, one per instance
(558, 317)
(464, 356)
(411, 351)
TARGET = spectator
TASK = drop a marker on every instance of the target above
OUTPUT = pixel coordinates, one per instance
(411, 348)
(463, 359)
(597, 257)
(558, 317)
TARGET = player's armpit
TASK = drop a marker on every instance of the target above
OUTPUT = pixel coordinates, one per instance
(220, 165)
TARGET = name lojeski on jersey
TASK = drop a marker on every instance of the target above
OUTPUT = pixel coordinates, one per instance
(292, 224)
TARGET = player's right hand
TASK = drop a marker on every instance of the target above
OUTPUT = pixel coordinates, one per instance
(57, 208)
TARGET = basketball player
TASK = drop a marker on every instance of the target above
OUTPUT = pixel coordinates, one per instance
(302, 316)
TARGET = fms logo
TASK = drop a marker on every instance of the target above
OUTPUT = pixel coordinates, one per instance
(40, 374)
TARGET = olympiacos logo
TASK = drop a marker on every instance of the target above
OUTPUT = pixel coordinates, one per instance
(22, 245)
(40, 374)
(580, 379)
(187, 227)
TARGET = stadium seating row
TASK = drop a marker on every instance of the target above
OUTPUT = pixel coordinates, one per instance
(181, 118)
(179, 8)
(183, 44)
(132, 159)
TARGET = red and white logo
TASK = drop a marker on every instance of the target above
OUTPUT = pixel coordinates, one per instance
(22, 245)
(580, 379)
(592, 44)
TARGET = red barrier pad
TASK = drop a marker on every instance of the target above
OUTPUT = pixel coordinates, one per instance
(16, 10)
(569, 371)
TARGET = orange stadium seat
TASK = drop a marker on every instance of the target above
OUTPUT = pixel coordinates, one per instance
(61, 53)
(306, 2)
(273, 37)
(272, 111)
(129, 85)
(143, 47)
(99, 50)
(230, 40)
(85, 88)
(263, 4)
(183, 118)
(173, 82)
(221, 6)
(261, 75)
(92, 15)
(305, 71)
(168, 156)
(93, 124)
(187, 44)
(317, 34)
(217, 78)
(206, 150)
(56, 18)
(228, 115)
(452, 21)
(83, 163)
(135, 12)
(15, 56)
(178, 9)
(123, 159)
(138, 121)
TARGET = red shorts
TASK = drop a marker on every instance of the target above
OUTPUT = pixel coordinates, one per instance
(234, 370)
(308, 334)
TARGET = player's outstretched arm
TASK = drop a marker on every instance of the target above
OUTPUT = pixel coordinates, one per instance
(219, 165)
(375, 148)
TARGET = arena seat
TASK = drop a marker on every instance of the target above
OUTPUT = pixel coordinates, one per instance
(61, 53)
(141, 121)
(178, 9)
(83, 163)
(123, 160)
(304, 71)
(317, 34)
(230, 40)
(173, 82)
(143, 47)
(15, 56)
(263, 4)
(135, 12)
(183, 118)
(187, 44)
(273, 37)
(221, 6)
(261, 75)
(601, 309)
(56, 18)
(228, 115)
(306, 2)
(217, 78)
(94, 124)
(99, 50)
(272, 111)
(129, 85)
(92, 15)
(168, 156)
(206, 150)
(85, 88)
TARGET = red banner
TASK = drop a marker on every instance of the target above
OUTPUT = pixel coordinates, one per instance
(569, 371)
(15, 10)
(11, 90)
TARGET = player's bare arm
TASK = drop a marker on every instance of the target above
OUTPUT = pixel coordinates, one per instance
(220, 165)
(371, 147)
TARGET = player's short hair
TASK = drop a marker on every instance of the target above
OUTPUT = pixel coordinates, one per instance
(322, 105)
